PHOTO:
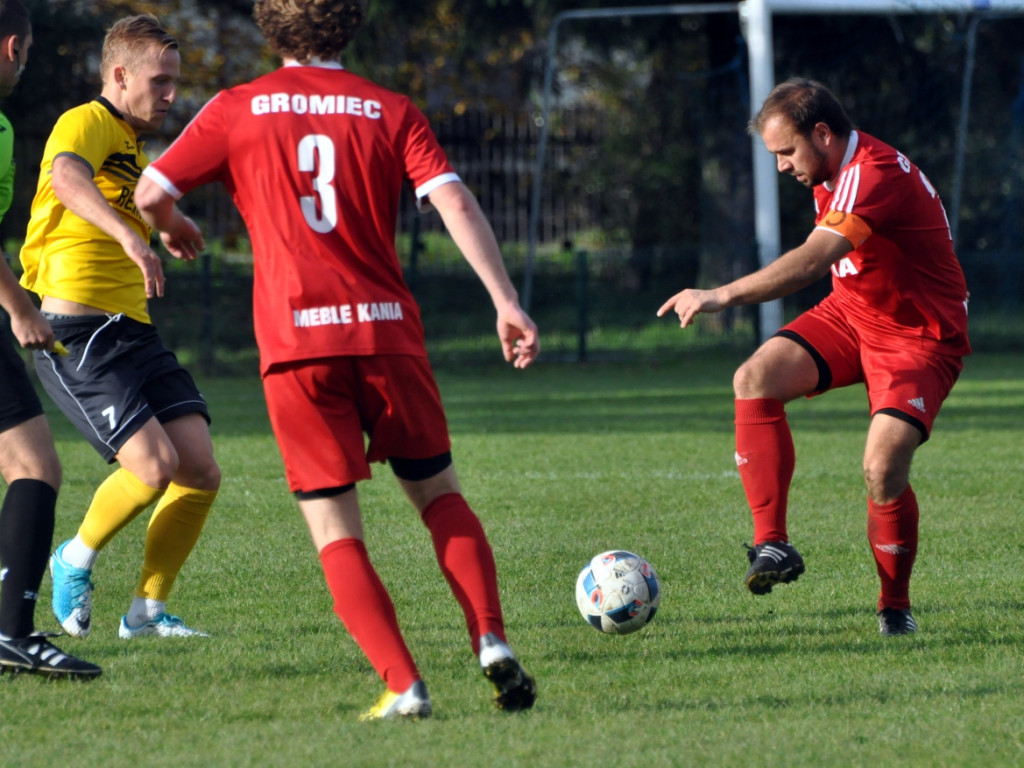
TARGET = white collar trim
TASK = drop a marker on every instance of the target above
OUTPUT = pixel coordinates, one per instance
(314, 62)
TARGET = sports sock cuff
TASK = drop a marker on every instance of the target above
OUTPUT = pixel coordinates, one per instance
(759, 411)
(197, 496)
(118, 500)
(443, 503)
(134, 489)
(340, 544)
(906, 498)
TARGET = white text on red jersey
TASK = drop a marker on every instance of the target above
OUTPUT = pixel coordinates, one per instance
(341, 314)
(315, 104)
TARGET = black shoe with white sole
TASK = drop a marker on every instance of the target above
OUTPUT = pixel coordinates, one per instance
(771, 563)
(35, 654)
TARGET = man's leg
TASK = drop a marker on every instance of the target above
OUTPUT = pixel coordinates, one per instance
(361, 600)
(467, 562)
(31, 469)
(892, 515)
(174, 527)
(780, 371)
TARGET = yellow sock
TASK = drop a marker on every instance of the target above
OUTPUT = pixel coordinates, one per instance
(173, 532)
(118, 500)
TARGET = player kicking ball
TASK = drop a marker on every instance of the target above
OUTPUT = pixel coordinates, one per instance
(895, 321)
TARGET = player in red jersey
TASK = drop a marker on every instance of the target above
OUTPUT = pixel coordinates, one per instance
(896, 320)
(315, 158)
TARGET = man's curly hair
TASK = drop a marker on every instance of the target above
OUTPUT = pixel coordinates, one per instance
(307, 29)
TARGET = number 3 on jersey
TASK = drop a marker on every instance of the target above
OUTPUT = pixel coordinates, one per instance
(316, 156)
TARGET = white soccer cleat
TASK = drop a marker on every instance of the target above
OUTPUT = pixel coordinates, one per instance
(164, 625)
(413, 704)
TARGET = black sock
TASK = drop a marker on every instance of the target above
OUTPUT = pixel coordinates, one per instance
(26, 535)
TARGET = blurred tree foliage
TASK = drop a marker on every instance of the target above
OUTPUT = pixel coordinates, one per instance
(673, 163)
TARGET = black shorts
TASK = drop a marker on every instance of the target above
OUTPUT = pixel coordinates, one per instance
(116, 376)
(18, 399)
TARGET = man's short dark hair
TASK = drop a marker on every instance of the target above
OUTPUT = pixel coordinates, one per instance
(803, 103)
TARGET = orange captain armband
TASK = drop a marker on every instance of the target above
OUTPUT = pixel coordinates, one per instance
(849, 225)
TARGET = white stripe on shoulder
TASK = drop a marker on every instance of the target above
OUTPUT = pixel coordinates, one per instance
(846, 190)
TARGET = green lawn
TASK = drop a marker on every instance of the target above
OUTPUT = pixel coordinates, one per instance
(562, 462)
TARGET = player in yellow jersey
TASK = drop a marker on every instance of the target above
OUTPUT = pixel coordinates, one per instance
(87, 255)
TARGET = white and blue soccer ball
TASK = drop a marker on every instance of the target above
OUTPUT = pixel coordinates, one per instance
(618, 592)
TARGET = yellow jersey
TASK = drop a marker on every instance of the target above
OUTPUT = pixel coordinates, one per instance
(65, 256)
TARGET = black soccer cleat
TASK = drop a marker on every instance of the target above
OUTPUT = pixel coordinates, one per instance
(514, 688)
(896, 621)
(771, 563)
(35, 654)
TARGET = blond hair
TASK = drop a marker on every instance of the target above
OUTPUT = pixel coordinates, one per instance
(129, 41)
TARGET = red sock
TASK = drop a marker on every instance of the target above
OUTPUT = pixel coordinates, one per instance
(467, 562)
(892, 533)
(365, 608)
(765, 459)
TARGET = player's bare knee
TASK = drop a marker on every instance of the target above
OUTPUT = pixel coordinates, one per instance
(885, 482)
(205, 475)
(156, 471)
(28, 466)
(748, 381)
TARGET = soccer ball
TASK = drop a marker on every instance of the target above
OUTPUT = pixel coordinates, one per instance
(618, 592)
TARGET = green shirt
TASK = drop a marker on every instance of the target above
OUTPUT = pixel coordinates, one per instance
(6, 164)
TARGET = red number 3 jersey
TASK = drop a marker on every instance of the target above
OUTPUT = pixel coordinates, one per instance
(315, 159)
(902, 279)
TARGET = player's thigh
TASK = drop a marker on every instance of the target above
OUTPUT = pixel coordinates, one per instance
(149, 454)
(316, 420)
(780, 369)
(197, 467)
(26, 444)
(816, 352)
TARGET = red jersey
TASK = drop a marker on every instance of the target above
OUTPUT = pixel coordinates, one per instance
(315, 158)
(902, 279)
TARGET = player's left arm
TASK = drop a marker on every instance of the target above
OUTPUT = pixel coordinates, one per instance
(179, 234)
(473, 235)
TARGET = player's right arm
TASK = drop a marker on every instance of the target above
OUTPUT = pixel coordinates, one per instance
(73, 184)
(789, 273)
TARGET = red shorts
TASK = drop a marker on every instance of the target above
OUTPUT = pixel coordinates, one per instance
(320, 410)
(901, 378)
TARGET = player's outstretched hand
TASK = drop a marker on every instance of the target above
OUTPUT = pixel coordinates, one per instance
(690, 302)
(520, 342)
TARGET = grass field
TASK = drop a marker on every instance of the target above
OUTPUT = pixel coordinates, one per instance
(562, 462)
